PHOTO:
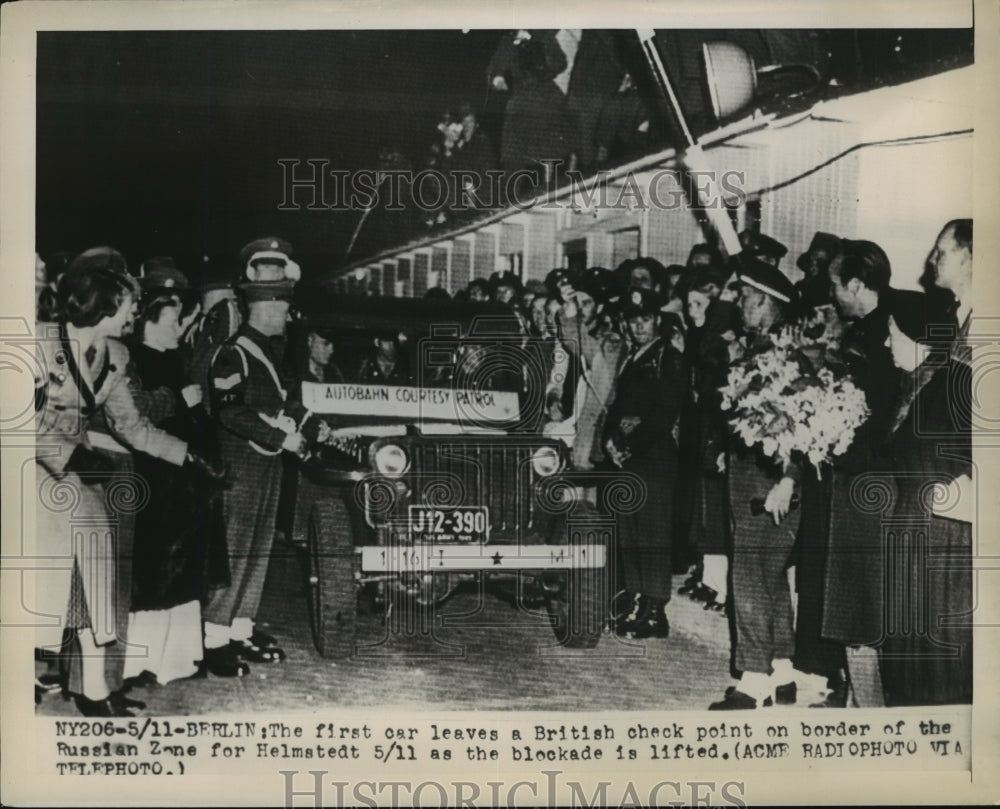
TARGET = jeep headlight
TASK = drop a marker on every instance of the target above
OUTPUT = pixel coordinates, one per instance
(391, 460)
(545, 461)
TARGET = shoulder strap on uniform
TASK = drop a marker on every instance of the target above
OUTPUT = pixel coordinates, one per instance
(261, 357)
(74, 371)
(243, 357)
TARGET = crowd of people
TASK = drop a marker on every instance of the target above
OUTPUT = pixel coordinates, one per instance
(634, 376)
(170, 391)
(151, 397)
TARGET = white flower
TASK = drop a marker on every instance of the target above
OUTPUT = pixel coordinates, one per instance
(820, 413)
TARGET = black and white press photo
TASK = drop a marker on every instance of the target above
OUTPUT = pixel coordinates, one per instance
(562, 413)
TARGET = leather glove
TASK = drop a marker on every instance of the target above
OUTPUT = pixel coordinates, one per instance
(92, 467)
(214, 471)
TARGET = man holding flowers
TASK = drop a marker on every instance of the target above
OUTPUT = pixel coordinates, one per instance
(762, 542)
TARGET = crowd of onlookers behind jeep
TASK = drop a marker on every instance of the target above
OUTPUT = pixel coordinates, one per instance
(847, 639)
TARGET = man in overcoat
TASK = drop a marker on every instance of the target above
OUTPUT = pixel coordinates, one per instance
(640, 438)
(840, 560)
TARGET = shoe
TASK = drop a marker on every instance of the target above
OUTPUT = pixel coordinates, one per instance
(704, 594)
(836, 697)
(736, 700)
(262, 639)
(783, 694)
(649, 620)
(624, 613)
(50, 682)
(650, 628)
(144, 679)
(715, 606)
(831, 700)
(119, 700)
(100, 707)
(222, 662)
(255, 653)
(47, 684)
(786, 694)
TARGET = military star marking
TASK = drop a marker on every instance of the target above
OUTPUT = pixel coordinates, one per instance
(496, 558)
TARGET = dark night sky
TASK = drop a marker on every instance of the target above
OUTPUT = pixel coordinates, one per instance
(167, 142)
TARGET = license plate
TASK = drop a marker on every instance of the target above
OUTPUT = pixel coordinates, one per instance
(460, 524)
(428, 558)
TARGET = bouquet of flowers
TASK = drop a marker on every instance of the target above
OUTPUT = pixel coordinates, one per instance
(793, 399)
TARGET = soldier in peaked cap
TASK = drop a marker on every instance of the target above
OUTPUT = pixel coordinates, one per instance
(560, 281)
(763, 247)
(220, 317)
(598, 282)
(161, 272)
(638, 438)
(257, 423)
(762, 542)
(767, 279)
(269, 259)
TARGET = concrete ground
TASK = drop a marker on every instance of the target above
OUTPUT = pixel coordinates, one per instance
(480, 654)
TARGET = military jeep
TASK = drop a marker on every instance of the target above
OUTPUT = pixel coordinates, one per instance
(447, 480)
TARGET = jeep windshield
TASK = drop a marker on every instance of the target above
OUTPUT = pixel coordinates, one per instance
(433, 366)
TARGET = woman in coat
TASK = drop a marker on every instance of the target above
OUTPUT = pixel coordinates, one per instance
(708, 353)
(181, 553)
(640, 438)
(926, 652)
(80, 370)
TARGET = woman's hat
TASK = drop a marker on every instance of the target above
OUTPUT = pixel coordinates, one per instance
(826, 242)
(99, 258)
